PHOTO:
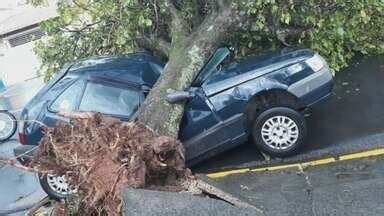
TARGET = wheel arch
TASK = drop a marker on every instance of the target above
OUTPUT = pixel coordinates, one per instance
(270, 98)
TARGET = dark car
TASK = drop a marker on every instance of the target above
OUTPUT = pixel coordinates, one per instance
(230, 101)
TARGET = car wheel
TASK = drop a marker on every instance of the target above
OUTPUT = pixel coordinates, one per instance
(56, 186)
(279, 131)
(8, 125)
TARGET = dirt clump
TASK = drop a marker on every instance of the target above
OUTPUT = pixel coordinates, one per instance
(102, 155)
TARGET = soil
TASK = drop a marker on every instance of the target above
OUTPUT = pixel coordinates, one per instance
(102, 155)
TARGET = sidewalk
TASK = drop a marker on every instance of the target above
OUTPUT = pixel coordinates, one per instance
(19, 190)
(351, 187)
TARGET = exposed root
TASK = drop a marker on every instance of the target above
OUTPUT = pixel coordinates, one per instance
(102, 155)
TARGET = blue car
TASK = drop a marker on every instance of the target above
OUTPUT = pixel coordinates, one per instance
(260, 98)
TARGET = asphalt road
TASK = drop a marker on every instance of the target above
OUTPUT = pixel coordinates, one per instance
(354, 112)
(349, 188)
(19, 190)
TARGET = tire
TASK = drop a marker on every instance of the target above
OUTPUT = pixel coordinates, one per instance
(279, 131)
(8, 125)
(46, 184)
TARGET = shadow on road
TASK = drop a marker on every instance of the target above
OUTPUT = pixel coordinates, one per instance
(357, 108)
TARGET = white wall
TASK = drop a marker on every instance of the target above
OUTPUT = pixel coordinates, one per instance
(10, 7)
(18, 64)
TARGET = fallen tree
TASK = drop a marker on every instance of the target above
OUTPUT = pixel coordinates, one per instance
(185, 34)
(102, 155)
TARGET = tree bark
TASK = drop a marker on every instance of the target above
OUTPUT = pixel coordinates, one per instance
(187, 56)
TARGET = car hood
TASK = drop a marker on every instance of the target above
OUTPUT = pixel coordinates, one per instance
(254, 67)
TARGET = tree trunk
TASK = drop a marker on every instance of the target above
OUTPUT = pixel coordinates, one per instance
(187, 56)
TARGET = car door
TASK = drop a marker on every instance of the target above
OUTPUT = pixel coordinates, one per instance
(202, 130)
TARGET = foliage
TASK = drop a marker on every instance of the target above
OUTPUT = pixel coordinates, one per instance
(38, 2)
(84, 28)
(335, 28)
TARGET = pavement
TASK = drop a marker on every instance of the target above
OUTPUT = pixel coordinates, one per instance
(139, 202)
(19, 190)
(345, 187)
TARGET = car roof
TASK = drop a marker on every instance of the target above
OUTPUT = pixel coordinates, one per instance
(140, 67)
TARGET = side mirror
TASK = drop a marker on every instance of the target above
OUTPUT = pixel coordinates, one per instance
(179, 96)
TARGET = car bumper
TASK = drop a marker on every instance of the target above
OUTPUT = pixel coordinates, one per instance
(314, 88)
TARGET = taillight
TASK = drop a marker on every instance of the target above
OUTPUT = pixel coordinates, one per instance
(22, 138)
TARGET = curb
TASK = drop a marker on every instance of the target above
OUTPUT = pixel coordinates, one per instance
(324, 161)
(352, 146)
(360, 148)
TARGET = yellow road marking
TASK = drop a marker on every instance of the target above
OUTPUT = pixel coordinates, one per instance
(328, 160)
(370, 153)
(225, 173)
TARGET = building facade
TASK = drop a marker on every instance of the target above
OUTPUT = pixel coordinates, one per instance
(19, 30)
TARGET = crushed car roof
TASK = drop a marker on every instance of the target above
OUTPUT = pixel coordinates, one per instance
(140, 67)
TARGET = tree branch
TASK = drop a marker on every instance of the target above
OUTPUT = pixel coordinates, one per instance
(218, 4)
(12, 162)
(283, 34)
(177, 25)
(83, 6)
(160, 46)
(282, 31)
(83, 28)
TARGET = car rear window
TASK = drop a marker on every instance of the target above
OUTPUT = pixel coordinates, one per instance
(108, 99)
(68, 99)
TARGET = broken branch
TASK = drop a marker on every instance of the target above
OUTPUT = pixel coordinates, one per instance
(158, 45)
(13, 162)
(178, 26)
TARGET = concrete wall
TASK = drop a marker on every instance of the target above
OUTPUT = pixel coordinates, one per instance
(18, 64)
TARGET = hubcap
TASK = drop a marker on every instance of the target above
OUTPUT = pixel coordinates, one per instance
(6, 125)
(280, 132)
(59, 184)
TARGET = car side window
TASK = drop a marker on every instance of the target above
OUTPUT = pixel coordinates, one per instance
(67, 100)
(108, 99)
(223, 71)
(228, 63)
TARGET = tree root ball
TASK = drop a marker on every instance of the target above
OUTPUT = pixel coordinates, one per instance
(102, 155)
